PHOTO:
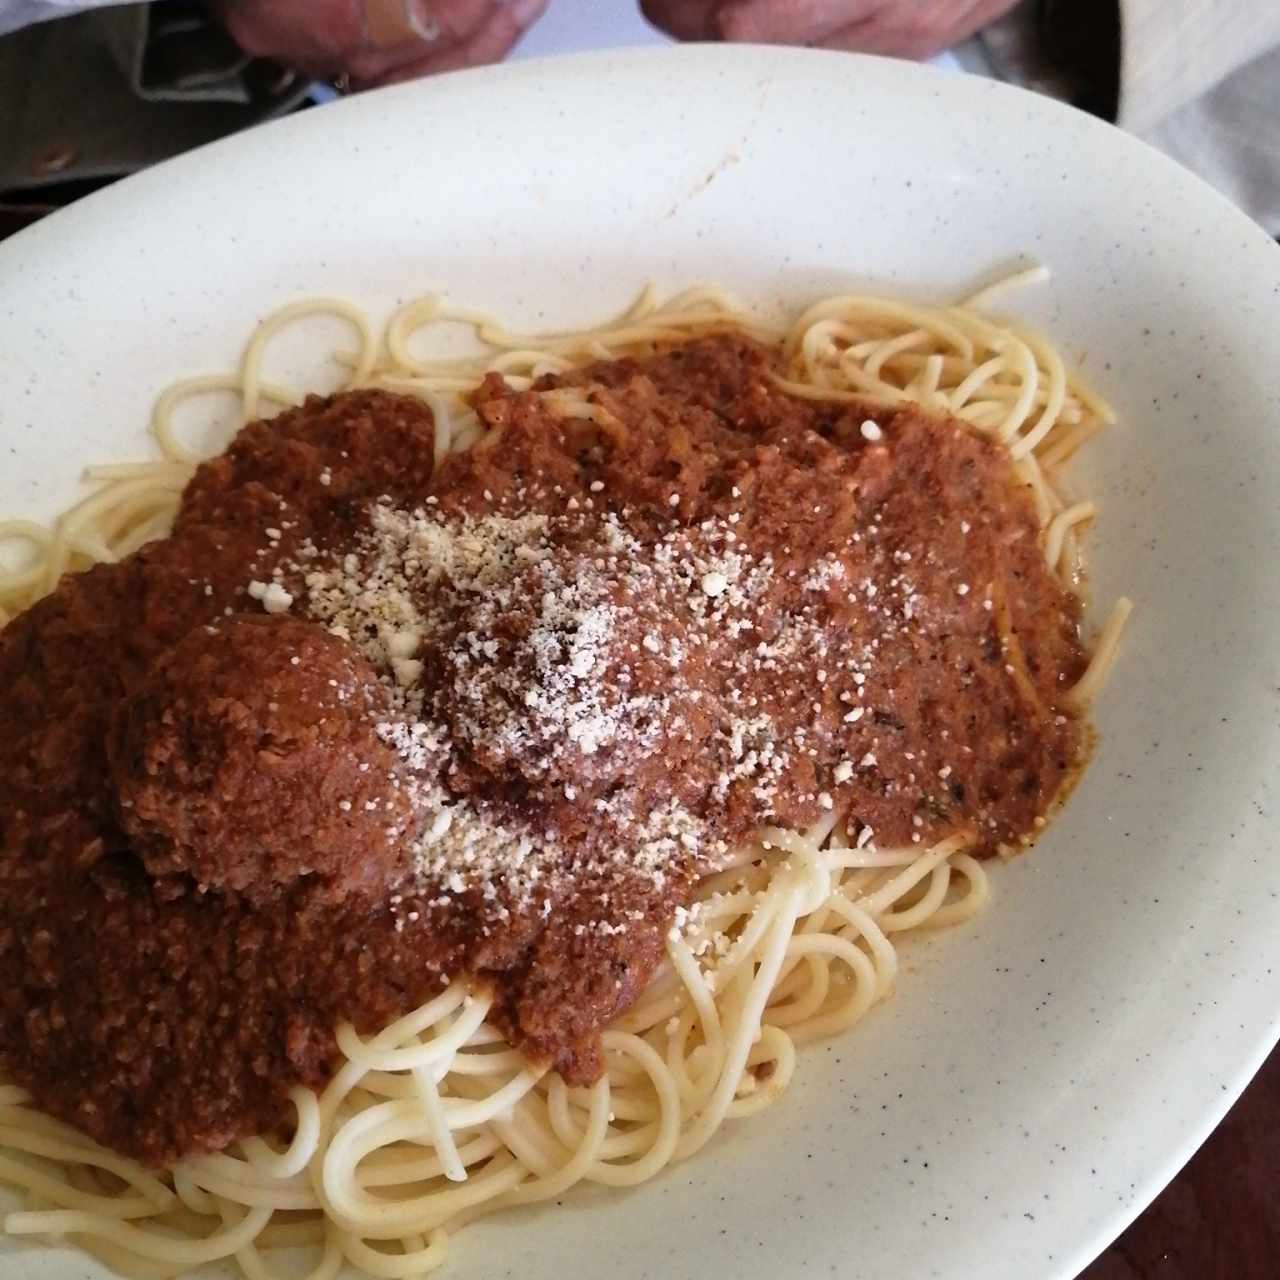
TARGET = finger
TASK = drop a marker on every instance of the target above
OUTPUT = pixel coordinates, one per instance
(445, 51)
(270, 29)
(391, 23)
(491, 43)
(449, 21)
(909, 32)
(498, 37)
(372, 66)
(364, 38)
(887, 35)
(791, 21)
(872, 35)
(684, 19)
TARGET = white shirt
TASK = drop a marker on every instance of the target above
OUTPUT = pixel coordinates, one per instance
(1199, 79)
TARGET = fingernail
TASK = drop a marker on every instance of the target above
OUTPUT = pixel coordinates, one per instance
(421, 20)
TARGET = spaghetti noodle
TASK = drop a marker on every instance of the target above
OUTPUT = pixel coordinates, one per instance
(437, 1120)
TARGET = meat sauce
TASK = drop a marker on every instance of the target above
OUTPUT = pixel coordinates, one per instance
(361, 724)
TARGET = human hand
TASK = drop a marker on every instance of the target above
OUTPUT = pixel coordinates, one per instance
(901, 28)
(371, 42)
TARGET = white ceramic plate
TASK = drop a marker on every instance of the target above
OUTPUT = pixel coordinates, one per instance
(1042, 1072)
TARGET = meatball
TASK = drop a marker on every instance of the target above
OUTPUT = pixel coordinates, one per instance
(250, 758)
(322, 460)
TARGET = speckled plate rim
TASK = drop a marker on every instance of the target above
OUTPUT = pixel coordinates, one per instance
(1040, 1076)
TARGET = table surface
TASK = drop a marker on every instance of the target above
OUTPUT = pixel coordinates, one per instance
(1219, 1219)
